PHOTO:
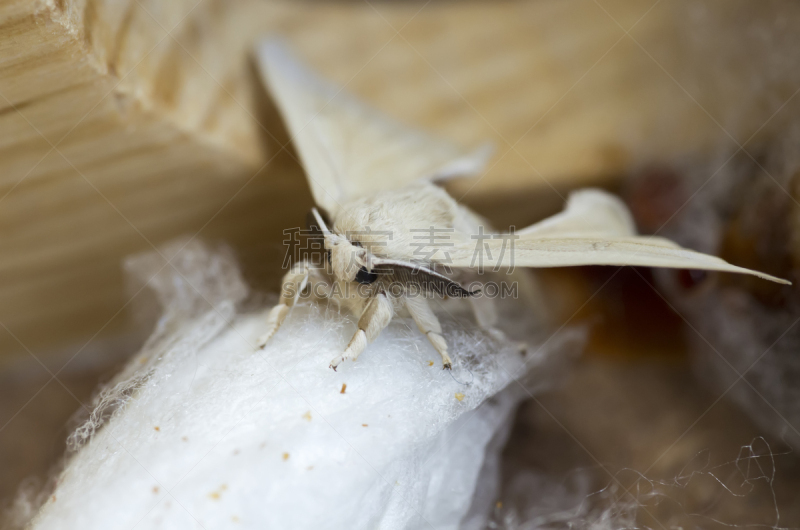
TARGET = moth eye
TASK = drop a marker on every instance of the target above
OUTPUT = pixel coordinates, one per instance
(365, 277)
(690, 279)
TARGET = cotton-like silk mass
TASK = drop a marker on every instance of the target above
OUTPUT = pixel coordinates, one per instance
(209, 430)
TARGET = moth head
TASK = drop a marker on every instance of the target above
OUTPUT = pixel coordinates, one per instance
(349, 260)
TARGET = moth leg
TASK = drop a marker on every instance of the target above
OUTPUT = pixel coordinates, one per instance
(429, 325)
(376, 316)
(484, 311)
(293, 284)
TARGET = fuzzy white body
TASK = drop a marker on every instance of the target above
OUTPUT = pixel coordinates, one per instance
(390, 224)
(397, 218)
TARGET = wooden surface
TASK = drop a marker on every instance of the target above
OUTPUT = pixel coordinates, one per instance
(116, 136)
(124, 124)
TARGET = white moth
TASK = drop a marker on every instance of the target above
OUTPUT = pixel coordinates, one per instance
(373, 181)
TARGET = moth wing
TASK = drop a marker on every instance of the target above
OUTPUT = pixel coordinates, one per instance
(588, 212)
(593, 230)
(409, 275)
(347, 148)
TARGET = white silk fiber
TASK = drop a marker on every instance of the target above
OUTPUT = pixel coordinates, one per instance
(202, 430)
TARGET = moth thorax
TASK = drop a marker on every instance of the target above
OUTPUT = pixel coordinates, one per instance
(347, 259)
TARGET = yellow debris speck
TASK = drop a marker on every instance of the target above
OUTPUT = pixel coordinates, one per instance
(307, 416)
(459, 396)
(344, 387)
(430, 363)
(235, 519)
(157, 428)
(364, 425)
(214, 495)
(286, 456)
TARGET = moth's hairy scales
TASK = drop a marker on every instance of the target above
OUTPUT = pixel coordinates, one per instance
(373, 221)
(388, 229)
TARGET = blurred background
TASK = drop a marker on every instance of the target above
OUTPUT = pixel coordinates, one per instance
(126, 124)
